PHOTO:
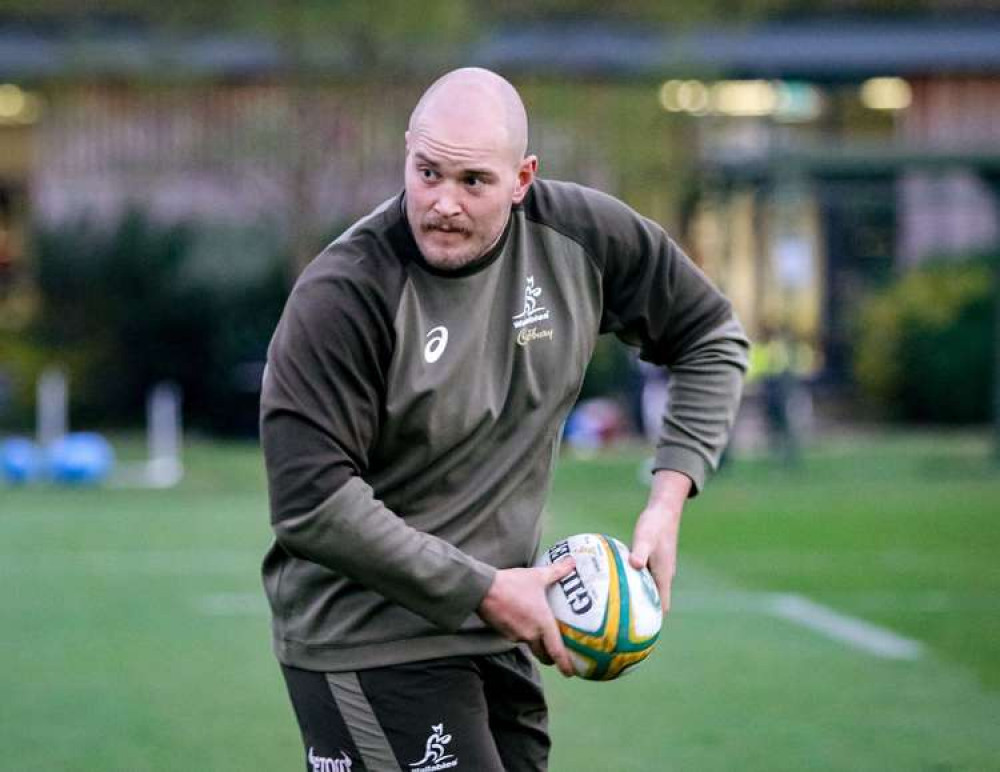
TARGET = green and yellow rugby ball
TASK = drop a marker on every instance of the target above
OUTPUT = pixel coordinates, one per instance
(608, 612)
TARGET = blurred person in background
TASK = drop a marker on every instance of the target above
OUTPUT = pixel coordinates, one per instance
(411, 411)
(782, 364)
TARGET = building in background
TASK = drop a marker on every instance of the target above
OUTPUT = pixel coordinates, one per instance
(838, 156)
(802, 163)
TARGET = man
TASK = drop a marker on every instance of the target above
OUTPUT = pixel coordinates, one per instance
(411, 411)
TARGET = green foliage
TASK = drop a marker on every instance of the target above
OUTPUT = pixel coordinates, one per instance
(125, 307)
(613, 370)
(926, 344)
(374, 35)
(21, 363)
(622, 141)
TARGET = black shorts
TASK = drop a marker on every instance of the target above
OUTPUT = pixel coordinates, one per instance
(476, 713)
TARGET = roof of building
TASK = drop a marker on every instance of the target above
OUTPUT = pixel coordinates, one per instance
(814, 50)
(820, 50)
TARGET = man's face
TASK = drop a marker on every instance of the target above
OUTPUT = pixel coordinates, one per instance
(461, 181)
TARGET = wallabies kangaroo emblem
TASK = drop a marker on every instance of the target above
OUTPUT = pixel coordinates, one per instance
(434, 752)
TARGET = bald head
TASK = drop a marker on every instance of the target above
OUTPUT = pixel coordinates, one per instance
(465, 166)
(479, 101)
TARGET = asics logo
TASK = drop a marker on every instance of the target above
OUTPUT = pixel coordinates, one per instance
(437, 340)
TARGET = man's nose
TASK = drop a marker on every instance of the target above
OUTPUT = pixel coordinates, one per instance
(447, 203)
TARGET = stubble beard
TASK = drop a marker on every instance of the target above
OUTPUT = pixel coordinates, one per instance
(468, 250)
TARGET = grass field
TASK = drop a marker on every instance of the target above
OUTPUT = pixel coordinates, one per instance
(135, 635)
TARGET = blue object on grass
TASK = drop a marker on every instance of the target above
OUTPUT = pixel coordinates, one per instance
(21, 460)
(81, 458)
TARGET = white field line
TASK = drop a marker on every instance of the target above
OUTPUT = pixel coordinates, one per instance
(910, 602)
(851, 631)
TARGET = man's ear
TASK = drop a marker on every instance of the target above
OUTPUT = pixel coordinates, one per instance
(525, 176)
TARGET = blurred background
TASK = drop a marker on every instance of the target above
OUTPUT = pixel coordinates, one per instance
(167, 170)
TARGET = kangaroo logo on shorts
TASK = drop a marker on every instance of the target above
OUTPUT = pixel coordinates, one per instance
(435, 757)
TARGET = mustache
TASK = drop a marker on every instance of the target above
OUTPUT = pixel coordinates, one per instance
(441, 224)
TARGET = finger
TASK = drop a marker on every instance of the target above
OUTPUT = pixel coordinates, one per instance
(559, 570)
(540, 653)
(663, 575)
(554, 647)
(639, 556)
(664, 588)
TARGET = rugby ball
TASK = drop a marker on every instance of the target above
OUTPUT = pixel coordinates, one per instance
(609, 613)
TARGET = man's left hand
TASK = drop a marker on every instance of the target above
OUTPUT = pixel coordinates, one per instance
(654, 542)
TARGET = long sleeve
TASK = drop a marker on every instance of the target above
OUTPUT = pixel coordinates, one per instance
(320, 411)
(656, 298)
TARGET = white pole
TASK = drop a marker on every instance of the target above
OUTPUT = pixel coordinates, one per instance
(163, 419)
(51, 406)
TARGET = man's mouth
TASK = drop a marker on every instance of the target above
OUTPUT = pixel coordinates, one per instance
(441, 228)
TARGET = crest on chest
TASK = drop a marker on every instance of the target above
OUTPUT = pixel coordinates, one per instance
(532, 322)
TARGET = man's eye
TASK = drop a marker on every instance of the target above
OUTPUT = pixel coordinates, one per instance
(473, 182)
(428, 174)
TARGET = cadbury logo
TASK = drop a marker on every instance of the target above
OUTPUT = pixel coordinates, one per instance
(527, 335)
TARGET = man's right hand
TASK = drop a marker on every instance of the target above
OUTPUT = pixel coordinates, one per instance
(515, 605)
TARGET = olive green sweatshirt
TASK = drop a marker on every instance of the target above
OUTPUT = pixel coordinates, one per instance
(410, 416)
